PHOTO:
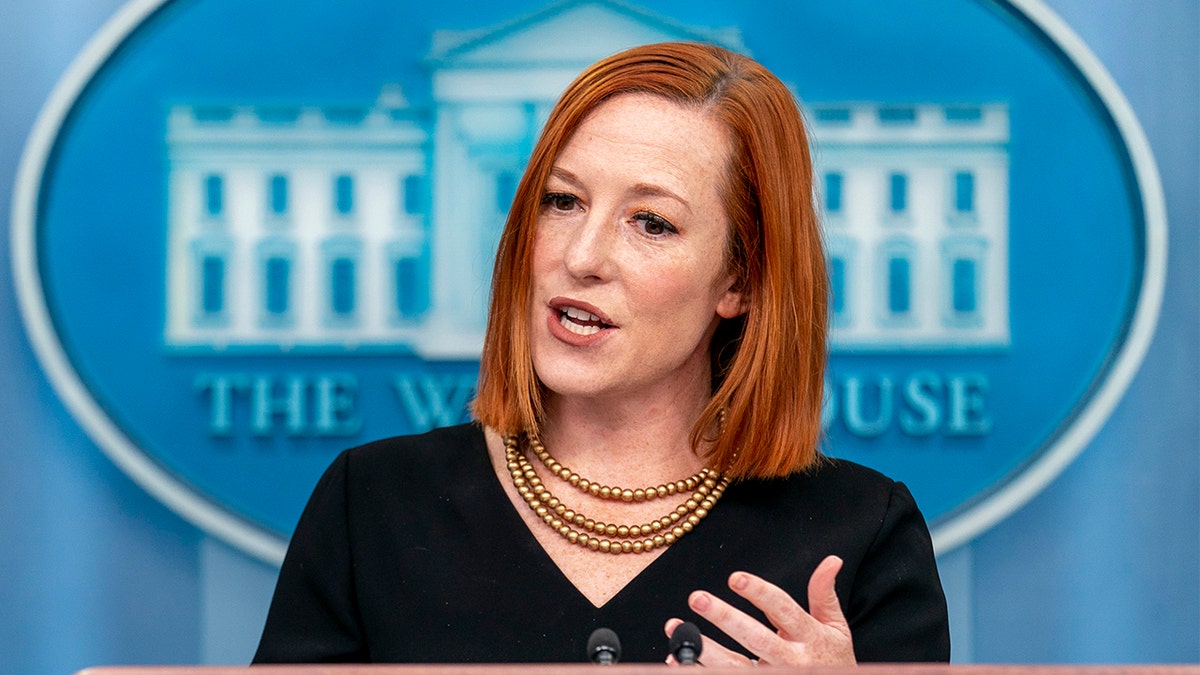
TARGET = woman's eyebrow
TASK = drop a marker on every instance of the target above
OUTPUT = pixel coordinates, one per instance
(637, 189)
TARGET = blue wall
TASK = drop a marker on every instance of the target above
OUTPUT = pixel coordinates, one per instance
(1103, 566)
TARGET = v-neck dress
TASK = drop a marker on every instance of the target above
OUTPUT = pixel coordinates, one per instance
(409, 551)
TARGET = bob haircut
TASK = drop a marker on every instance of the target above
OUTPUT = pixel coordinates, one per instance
(768, 365)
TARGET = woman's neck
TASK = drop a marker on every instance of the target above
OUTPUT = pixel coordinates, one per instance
(629, 441)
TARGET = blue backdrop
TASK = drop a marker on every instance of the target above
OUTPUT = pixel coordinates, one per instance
(1104, 566)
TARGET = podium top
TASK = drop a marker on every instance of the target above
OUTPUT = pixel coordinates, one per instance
(640, 669)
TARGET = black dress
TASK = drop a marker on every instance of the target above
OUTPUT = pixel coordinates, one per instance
(410, 551)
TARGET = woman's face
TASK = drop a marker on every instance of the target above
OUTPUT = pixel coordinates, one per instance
(629, 273)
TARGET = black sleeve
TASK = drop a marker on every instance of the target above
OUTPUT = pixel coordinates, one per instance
(897, 610)
(314, 616)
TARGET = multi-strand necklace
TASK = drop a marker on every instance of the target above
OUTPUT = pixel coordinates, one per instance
(705, 487)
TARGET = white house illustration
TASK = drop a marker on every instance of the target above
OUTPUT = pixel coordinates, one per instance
(373, 225)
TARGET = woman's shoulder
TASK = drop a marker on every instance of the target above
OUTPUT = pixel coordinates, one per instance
(831, 476)
(832, 489)
(438, 451)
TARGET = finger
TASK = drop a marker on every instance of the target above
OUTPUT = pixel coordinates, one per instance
(782, 610)
(746, 630)
(711, 651)
(823, 602)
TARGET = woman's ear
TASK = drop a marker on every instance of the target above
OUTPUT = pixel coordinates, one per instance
(733, 303)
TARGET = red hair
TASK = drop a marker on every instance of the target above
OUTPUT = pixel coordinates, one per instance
(769, 364)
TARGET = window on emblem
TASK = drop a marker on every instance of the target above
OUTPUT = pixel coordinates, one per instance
(411, 194)
(833, 192)
(278, 273)
(964, 192)
(214, 195)
(899, 285)
(506, 189)
(277, 194)
(897, 192)
(408, 300)
(212, 285)
(837, 285)
(343, 195)
(963, 285)
(341, 274)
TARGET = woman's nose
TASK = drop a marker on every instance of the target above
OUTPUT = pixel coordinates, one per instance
(588, 251)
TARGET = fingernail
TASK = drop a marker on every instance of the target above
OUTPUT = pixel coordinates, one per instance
(700, 601)
(738, 581)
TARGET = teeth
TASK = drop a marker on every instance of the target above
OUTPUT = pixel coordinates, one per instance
(578, 329)
(580, 322)
(580, 315)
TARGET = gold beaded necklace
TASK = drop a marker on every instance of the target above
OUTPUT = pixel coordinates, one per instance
(708, 487)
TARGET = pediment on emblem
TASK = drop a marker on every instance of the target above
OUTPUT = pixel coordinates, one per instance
(572, 33)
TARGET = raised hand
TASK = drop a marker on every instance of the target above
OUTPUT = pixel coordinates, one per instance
(819, 636)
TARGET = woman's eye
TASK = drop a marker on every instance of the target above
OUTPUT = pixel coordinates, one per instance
(560, 201)
(653, 224)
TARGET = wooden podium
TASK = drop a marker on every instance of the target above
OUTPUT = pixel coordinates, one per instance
(640, 669)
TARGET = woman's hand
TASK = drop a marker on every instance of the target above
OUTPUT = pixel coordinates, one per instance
(819, 636)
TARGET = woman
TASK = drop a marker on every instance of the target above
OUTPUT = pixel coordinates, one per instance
(658, 326)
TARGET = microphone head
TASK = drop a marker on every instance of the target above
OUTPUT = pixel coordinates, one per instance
(603, 646)
(686, 643)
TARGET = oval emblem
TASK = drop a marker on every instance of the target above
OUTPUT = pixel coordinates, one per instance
(239, 250)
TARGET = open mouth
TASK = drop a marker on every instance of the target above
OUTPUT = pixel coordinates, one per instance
(581, 322)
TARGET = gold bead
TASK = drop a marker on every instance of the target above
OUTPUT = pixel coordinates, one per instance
(560, 509)
(565, 531)
(593, 543)
(584, 484)
(635, 531)
(626, 547)
(556, 523)
(639, 495)
(694, 519)
(677, 531)
(623, 531)
(605, 545)
(687, 527)
(638, 547)
(610, 530)
(701, 512)
(573, 536)
(670, 538)
(659, 540)
(691, 504)
(651, 493)
(541, 510)
(681, 510)
(593, 489)
(627, 495)
(574, 480)
(579, 519)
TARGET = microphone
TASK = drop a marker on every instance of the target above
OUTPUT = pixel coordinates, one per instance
(604, 647)
(686, 644)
